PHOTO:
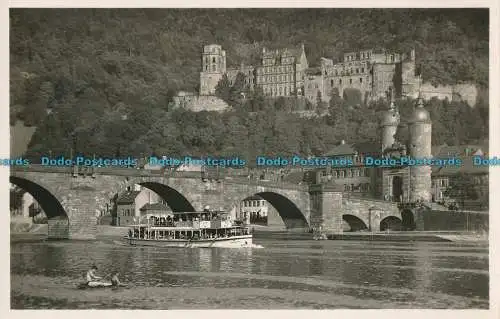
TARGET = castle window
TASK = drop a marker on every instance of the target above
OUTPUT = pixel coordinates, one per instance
(325, 72)
(350, 81)
(213, 60)
(360, 80)
(336, 73)
(206, 67)
(392, 57)
(362, 70)
(331, 82)
(357, 71)
(340, 81)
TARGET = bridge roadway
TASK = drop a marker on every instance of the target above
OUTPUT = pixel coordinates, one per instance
(72, 200)
(236, 175)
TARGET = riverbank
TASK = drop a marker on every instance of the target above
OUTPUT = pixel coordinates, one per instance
(42, 292)
(424, 236)
(39, 231)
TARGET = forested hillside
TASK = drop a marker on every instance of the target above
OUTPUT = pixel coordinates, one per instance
(108, 75)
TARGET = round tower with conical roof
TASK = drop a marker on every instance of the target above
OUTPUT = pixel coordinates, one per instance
(390, 123)
(420, 131)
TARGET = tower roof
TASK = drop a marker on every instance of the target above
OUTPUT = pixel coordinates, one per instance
(391, 116)
(420, 114)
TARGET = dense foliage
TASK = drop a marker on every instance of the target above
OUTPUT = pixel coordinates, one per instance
(108, 76)
(465, 192)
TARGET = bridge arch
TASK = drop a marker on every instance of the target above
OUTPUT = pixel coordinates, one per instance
(408, 220)
(50, 204)
(390, 223)
(354, 222)
(175, 196)
(175, 200)
(288, 210)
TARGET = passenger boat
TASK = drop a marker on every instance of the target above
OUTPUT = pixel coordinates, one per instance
(190, 229)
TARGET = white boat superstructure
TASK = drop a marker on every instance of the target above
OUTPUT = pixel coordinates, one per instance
(190, 229)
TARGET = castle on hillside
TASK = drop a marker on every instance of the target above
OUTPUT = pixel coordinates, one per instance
(286, 72)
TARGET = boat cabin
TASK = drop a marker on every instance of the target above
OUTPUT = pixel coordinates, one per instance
(185, 233)
(186, 219)
(188, 226)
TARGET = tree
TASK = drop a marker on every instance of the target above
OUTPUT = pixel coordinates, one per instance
(223, 89)
(235, 92)
(321, 106)
(462, 188)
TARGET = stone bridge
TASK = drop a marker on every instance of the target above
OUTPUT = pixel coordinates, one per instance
(72, 201)
(371, 214)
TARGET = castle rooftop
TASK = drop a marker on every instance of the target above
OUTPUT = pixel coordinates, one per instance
(420, 114)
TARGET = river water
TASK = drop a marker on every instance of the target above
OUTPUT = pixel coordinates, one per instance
(277, 274)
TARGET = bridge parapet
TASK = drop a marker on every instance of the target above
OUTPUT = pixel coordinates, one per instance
(232, 176)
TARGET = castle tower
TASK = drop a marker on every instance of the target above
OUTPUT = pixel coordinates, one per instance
(409, 81)
(420, 129)
(390, 122)
(213, 66)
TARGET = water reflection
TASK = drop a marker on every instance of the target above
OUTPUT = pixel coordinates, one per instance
(415, 270)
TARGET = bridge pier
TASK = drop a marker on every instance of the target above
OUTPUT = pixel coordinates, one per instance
(81, 220)
(326, 209)
(374, 219)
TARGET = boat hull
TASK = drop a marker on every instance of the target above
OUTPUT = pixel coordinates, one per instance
(232, 242)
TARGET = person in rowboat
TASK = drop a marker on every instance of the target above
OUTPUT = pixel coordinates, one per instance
(92, 278)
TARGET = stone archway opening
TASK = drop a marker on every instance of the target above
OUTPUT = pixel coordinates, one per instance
(174, 199)
(281, 211)
(255, 211)
(408, 220)
(397, 188)
(57, 217)
(132, 205)
(353, 223)
(390, 223)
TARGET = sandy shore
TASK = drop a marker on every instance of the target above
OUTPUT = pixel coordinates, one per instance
(42, 292)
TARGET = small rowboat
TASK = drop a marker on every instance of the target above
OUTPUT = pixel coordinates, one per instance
(89, 285)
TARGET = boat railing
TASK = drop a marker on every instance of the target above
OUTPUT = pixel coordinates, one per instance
(188, 223)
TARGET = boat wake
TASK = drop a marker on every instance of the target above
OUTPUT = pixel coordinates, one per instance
(256, 246)
(253, 246)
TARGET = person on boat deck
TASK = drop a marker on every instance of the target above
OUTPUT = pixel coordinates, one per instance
(114, 280)
(91, 276)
